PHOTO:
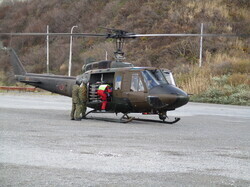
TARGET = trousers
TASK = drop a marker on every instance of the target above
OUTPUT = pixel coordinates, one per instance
(103, 98)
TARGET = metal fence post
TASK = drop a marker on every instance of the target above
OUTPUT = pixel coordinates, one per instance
(200, 61)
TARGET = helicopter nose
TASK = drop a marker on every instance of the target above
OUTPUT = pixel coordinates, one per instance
(180, 101)
(181, 97)
(172, 96)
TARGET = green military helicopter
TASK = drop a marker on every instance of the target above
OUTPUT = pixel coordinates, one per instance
(145, 90)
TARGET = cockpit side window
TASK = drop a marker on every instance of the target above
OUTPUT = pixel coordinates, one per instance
(149, 79)
(169, 76)
(118, 82)
(136, 83)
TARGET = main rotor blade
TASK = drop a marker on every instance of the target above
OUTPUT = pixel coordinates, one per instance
(54, 34)
(192, 35)
(123, 35)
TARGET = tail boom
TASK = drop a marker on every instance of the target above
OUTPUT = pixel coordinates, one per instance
(53, 83)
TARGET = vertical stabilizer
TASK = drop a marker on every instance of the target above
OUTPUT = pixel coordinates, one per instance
(16, 63)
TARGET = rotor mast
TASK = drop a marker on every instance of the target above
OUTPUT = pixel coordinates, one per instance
(119, 54)
(119, 36)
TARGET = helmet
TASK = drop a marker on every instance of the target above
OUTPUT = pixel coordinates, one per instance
(84, 80)
(78, 80)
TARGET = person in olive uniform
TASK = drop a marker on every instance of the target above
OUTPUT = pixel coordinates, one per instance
(76, 103)
(83, 97)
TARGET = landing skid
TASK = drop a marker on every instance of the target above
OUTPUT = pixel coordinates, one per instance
(126, 119)
(157, 121)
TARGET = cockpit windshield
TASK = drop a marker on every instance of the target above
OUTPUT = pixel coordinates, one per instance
(150, 79)
(159, 76)
(155, 77)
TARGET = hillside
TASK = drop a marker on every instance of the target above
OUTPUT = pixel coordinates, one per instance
(223, 58)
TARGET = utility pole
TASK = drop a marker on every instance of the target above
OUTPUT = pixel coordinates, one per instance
(70, 50)
(106, 55)
(47, 49)
(200, 62)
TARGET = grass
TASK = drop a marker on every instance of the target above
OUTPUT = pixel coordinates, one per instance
(223, 79)
(227, 94)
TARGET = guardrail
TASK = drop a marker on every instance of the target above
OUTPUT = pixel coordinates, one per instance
(15, 88)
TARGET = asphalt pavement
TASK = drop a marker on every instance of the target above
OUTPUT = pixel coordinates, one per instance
(41, 146)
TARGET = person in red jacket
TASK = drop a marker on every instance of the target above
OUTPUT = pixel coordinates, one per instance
(104, 92)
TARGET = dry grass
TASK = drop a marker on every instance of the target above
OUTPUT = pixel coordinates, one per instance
(234, 70)
(196, 81)
(237, 79)
(209, 6)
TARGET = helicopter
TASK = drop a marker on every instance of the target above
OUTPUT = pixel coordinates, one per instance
(146, 90)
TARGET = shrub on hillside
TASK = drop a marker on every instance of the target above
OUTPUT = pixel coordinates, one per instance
(241, 66)
(238, 79)
(226, 94)
(222, 68)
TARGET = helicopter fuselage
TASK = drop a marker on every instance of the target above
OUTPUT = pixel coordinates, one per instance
(135, 89)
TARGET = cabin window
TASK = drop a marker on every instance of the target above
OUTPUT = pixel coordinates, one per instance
(136, 83)
(149, 79)
(118, 82)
